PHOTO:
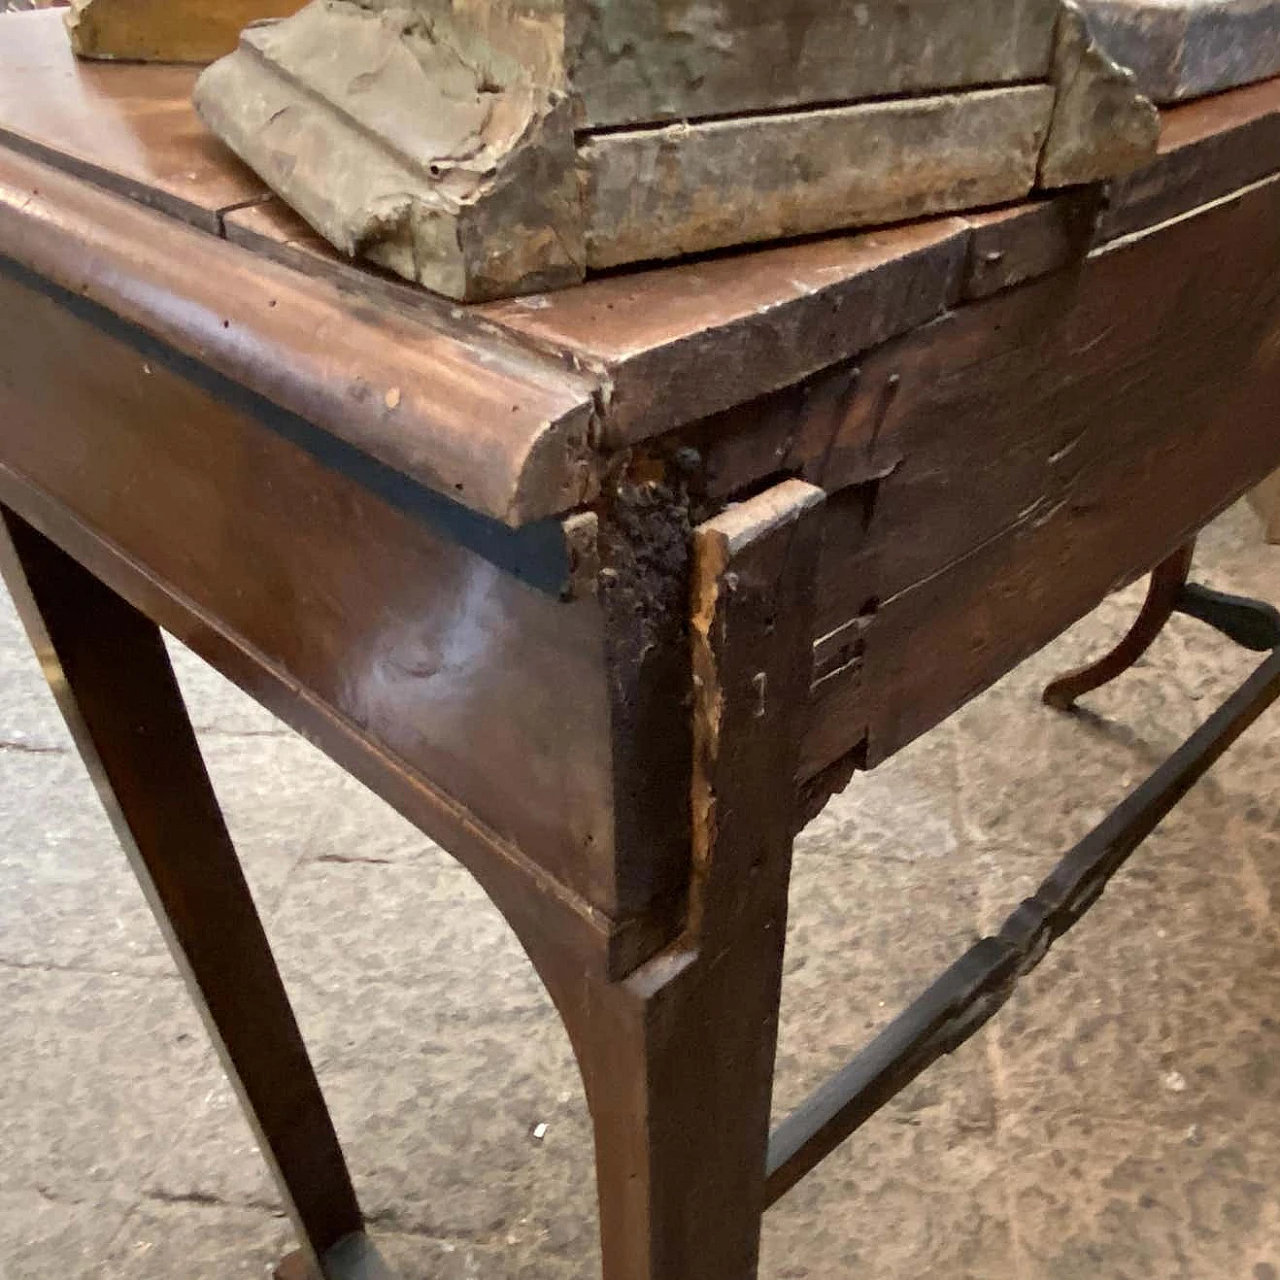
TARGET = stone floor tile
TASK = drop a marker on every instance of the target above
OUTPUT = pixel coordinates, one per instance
(865, 937)
(357, 826)
(1139, 1089)
(66, 1236)
(879, 906)
(440, 1137)
(217, 706)
(424, 1258)
(29, 717)
(1129, 1201)
(901, 1200)
(161, 1241)
(422, 925)
(93, 1074)
(70, 898)
(904, 811)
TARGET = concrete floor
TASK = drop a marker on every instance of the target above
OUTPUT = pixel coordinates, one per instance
(1120, 1119)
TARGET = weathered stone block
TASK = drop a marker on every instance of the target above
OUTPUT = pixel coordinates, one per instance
(490, 147)
(1182, 49)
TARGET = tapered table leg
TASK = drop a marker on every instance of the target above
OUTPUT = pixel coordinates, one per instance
(1163, 594)
(109, 670)
(678, 1058)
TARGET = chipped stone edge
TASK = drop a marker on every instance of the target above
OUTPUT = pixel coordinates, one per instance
(521, 231)
(1102, 126)
(524, 227)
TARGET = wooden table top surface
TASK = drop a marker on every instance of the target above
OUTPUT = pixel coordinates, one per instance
(109, 185)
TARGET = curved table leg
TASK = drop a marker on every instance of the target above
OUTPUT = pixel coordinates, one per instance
(1163, 596)
(109, 670)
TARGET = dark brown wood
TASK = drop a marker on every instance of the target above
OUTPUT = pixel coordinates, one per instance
(1207, 150)
(535, 904)
(259, 447)
(1167, 580)
(108, 667)
(496, 429)
(1039, 448)
(690, 340)
(432, 653)
(127, 127)
(1012, 245)
(678, 1059)
(684, 342)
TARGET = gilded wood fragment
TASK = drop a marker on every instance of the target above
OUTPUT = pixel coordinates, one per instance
(166, 30)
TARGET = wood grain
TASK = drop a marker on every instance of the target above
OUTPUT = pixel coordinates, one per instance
(675, 344)
(128, 128)
(166, 30)
(689, 340)
(498, 430)
(1011, 450)
(438, 657)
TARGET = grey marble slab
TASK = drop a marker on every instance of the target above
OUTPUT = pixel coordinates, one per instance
(1181, 49)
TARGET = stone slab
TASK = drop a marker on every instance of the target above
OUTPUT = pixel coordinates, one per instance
(630, 62)
(1180, 49)
(423, 139)
(661, 193)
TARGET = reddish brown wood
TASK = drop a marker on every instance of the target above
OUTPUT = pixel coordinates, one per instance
(1012, 245)
(678, 1059)
(1039, 448)
(535, 904)
(1207, 150)
(1167, 580)
(495, 428)
(433, 653)
(108, 666)
(674, 344)
(128, 127)
(269, 489)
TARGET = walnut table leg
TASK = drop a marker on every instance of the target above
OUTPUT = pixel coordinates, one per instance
(1167, 581)
(109, 670)
(678, 1058)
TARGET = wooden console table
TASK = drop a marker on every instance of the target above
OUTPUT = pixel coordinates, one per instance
(608, 590)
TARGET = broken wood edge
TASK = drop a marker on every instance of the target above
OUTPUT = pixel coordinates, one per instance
(1102, 126)
(720, 546)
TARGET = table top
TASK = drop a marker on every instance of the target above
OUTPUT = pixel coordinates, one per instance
(109, 185)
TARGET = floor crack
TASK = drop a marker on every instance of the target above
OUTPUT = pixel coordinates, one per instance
(346, 859)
